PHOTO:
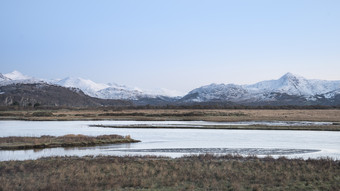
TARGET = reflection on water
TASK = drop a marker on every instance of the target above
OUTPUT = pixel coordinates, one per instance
(175, 142)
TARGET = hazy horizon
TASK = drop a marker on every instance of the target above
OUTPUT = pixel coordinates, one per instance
(177, 45)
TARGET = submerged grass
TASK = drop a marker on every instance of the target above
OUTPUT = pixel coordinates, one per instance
(71, 140)
(200, 172)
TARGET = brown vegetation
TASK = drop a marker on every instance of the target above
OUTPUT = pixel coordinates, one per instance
(203, 172)
(331, 115)
(14, 143)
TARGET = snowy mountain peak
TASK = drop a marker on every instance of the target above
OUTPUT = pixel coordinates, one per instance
(293, 85)
(291, 78)
(289, 75)
(16, 75)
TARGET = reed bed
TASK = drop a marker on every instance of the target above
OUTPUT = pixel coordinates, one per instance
(199, 172)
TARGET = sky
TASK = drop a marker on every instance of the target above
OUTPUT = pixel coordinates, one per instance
(173, 44)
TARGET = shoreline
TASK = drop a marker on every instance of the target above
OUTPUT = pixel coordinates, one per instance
(232, 127)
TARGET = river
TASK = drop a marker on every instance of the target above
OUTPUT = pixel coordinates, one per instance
(178, 142)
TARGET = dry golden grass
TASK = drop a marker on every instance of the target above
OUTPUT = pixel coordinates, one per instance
(331, 115)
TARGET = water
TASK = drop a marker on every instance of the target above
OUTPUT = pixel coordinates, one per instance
(177, 142)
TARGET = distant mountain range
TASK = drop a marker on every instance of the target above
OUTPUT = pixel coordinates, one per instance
(93, 89)
(290, 89)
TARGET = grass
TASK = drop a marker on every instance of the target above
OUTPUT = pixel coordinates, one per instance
(202, 172)
(329, 115)
(16, 143)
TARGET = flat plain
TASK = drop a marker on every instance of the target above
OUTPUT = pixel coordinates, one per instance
(325, 115)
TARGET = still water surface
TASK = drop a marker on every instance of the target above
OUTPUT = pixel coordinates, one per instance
(177, 142)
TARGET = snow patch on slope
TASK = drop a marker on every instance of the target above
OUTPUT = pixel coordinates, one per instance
(332, 94)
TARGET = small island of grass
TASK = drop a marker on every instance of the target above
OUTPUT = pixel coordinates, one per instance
(70, 140)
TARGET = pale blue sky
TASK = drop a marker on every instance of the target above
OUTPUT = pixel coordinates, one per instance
(177, 45)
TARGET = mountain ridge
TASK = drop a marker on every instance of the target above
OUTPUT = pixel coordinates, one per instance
(44, 94)
(289, 89)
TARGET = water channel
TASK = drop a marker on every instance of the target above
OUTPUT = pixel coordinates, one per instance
(178, 142)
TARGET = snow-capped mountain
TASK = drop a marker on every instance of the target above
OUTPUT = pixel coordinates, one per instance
(212, 92)
(290, 89)
(103, 91)
(295, 85)
(112, 90)
(120, 93)
(17, 77)
(287, 88)
(87, 86)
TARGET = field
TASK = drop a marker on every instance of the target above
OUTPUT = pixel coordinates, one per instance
(327, 115)
(203, 172)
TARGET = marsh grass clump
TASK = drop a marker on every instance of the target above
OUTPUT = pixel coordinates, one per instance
(199, 172)
(70, 140)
